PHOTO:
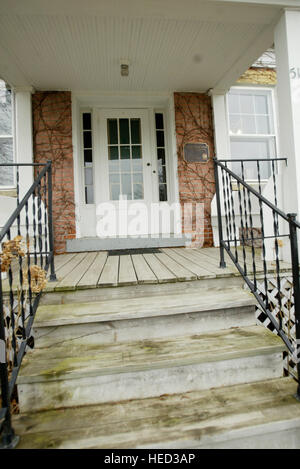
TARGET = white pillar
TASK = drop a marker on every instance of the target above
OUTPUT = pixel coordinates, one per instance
(287, 41)
(287, 47)
(23, 137)
(222, 143)
(222, 149)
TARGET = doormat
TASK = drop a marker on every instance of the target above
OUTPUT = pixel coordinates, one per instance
(126, 252)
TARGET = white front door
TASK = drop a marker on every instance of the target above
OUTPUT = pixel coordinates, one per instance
(125, 173)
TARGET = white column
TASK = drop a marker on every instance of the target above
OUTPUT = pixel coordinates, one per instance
(287, 47)
(222, 149)
(23, 136)
(222, 143)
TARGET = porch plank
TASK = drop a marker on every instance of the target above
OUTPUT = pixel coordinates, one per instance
(83, 262)
(188, 264)
(61, 260)
(127, 274)
(143, 272)
(110, 273)
(181, 272)
(211, 264)
(162, 273)
(92, 275)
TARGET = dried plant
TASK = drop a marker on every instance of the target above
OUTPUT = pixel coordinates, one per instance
(38, 279)
(16, 308)
(10, 249)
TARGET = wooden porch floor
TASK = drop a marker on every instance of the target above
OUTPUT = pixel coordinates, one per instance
(98, 269)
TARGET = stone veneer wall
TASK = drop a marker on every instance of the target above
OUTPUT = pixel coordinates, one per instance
(52, 140)
(193, 118)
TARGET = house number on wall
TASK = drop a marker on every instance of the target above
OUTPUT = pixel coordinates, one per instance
(196, 152)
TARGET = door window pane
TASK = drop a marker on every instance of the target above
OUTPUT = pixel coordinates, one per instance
(135, 126)
(138, 191)
(125, 152)
(126, 173)
(114, 191)
(124, 131)
(138, 178)
(112, 131)
(136, 152)
(113, 153)
(126, 185)
(125, 166)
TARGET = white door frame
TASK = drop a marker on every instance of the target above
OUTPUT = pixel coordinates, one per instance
(94, 102)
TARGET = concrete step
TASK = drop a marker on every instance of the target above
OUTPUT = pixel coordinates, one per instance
(64, 375)
(258, 415)
(129, 242)
(159, 315)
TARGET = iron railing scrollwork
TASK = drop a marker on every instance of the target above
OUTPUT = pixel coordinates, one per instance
(26, 260)
(255, 233)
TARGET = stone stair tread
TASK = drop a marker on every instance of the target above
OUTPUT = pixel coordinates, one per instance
(188, 420)
(141, 307)
(60, 362)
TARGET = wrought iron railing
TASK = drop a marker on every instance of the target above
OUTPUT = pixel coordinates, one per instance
(257, 235)
(26, 256)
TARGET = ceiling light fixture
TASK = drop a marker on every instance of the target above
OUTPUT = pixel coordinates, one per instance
(124, 67)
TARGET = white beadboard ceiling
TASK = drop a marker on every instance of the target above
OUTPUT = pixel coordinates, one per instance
(170, 44)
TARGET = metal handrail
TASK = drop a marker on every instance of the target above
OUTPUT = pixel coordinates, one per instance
(246, 225)
(40, 191)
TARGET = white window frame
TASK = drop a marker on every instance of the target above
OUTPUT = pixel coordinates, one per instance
(264, 90)
(13, 136)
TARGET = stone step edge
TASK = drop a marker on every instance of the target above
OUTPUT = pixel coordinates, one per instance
(246, 300)
(31, 425)
(60, 375)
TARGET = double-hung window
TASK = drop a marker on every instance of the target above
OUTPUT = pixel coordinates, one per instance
(251, 129)
(6, 136)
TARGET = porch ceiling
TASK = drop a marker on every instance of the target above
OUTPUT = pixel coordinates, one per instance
(171, 45)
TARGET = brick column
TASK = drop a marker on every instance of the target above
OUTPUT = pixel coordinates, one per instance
(52, 140)
(193, 119)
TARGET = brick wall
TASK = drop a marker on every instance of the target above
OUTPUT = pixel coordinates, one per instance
(193, 118)
(52, 140)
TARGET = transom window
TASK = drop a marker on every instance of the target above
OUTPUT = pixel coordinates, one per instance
(125, 158)
(6, 136)
(251, 129)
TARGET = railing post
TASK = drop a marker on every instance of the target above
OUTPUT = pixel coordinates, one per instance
(220, 228)
(296, 286)
(8, 439)
(50, 224)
